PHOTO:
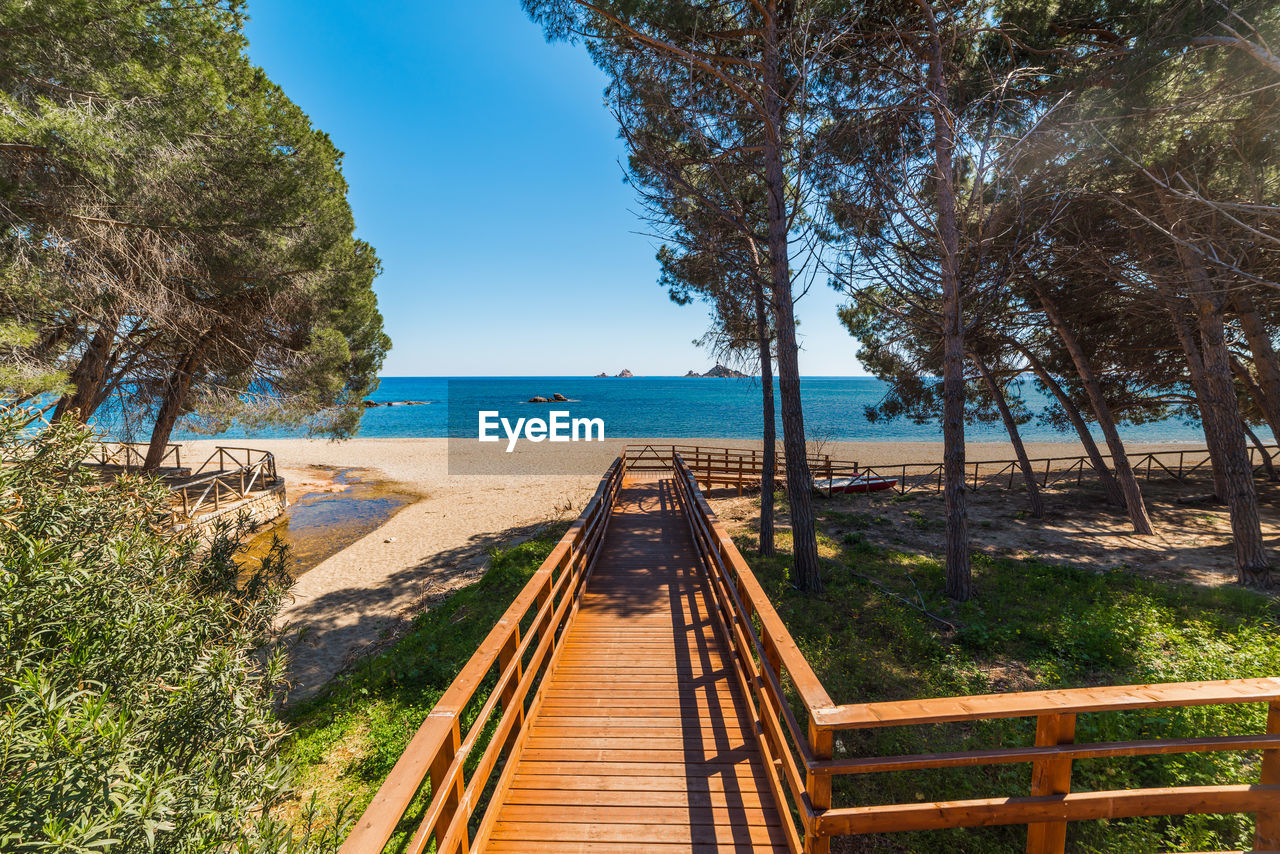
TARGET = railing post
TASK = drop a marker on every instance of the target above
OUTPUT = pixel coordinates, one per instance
(1051, 777)
(440, 765)
(505, 656)
(818, 787)
(1268, 834)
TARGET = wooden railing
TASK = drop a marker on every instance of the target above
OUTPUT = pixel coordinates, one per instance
(521, 648)
(740, 468)
(1176, 464)
(228, 475)
(802, 754)
(132, 455)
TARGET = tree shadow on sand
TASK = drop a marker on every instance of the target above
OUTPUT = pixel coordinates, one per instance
(329, 633)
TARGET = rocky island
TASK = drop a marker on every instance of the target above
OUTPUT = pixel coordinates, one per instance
(719, 371)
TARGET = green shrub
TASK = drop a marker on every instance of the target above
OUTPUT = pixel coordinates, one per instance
(135, 711)
(1032, 626)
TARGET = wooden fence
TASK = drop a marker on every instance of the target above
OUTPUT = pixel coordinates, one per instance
(517, 653)
(739, 468)
(802, 753)
(226, 476)
(1177, 464)
(131, 455)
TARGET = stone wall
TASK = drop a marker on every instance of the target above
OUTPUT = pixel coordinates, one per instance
(262, 506)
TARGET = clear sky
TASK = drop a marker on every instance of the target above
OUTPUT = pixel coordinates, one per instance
(486, 171)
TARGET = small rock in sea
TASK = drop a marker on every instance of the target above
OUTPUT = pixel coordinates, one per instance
(558, 396)
(539, 400)
(368, 404)
(599, 375)
(625, 373)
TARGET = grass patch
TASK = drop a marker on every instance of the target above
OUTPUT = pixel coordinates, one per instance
(1031, 626)
(347, 738)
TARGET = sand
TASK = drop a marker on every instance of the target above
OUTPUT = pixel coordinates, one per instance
(367, 592)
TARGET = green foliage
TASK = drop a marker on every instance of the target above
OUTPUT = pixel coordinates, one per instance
(172, 226)
(347, 738)
(1032, 626)
(135, 706)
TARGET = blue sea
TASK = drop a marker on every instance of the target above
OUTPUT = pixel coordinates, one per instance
(680, 407)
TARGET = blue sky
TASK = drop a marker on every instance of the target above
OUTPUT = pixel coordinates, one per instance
(485, 170)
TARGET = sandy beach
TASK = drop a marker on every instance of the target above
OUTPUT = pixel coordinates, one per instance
(365, 592)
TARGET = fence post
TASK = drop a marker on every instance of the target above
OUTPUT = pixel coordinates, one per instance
(505, 655)
(1268, 835)
(439, 766)
(818, 787)
(1051, 777)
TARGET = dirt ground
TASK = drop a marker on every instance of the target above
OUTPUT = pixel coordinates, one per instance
(1192, 540)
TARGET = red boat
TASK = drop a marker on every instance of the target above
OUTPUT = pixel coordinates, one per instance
(859, 483)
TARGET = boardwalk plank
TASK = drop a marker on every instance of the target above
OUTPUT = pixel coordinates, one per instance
(642, 742)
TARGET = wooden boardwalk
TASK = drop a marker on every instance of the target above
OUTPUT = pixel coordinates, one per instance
(642, 742)
(606, 712)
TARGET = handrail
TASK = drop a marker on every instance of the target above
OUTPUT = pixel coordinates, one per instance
(228, 474)
(742, 467)
(441, 749)
(248, 468)
(765, 655)
(1048, 471)
(737, 467)
(126, 455)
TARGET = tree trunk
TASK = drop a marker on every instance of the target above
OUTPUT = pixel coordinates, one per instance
(1265, 361)
(1133, 500)
(175, 397)
(89, 373)
(769, 436)
(1253, 567)
(1199, 384)
(1267, 464)
(959, 575)
(799, 481)
(1108, 480)
(1011, 427)
(1255, 391)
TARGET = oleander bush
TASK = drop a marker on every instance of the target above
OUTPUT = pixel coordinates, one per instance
(135, 707)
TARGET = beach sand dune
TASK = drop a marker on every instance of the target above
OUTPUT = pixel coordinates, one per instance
(364, 593)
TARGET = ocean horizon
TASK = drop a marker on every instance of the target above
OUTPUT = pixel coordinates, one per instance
(683, 407)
